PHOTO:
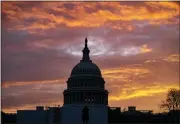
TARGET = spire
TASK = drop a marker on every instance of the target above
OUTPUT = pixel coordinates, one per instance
(86, 51)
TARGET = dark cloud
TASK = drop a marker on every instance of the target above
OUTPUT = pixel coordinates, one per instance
(69, 6)
(31, 96)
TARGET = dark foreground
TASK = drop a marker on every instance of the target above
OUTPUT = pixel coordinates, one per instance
(121, 123)
(117, 117)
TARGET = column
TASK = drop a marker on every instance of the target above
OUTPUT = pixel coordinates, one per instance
(74, 97)
(92, 97)
(68, 98)
(95, 98)
(82, 97)
(65, 99)
(77, 97)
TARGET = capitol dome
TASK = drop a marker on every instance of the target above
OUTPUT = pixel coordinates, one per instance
(86, 67)
(86, 84)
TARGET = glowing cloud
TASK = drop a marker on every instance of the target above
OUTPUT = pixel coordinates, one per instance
(81, 16)
(20, 83)
(173, 58)
(141, 92)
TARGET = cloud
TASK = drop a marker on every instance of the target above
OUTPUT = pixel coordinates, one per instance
(125, 72)
(87, 14)
(31, 95)
(145, 49)
(148, 79)
(100, 47)
(138, 92)
(10, 84)
(172, 58)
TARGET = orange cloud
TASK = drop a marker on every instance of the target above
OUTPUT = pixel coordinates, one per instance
(20, 83)
(141, 91)
(145, 49)
(98, 17)
(170, 58)
(125, 73)
(169, 5)
(140, 80)
(173, 58)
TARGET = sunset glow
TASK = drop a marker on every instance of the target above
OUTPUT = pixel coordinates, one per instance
(135, 44)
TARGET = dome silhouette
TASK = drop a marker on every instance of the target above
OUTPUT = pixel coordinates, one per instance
(85, 87)
(86, 68)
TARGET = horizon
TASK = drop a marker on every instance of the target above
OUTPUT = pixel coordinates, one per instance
(135, 45)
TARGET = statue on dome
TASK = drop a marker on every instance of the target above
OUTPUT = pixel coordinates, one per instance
(86, 42)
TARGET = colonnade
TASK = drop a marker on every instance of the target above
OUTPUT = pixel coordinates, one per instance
(86, 97)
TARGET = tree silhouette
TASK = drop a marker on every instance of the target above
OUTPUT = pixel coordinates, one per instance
(172, 101)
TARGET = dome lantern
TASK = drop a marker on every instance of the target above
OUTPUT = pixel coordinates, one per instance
(86, 51)
(86, 66)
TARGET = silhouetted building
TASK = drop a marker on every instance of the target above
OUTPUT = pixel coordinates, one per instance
(132, 111)
(85, 86)
(86, 99)
(40, 108)
(8, 118)
(51, 115)
(118, 109)
(131, 108)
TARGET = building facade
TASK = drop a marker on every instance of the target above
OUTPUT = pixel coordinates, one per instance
(85, 87)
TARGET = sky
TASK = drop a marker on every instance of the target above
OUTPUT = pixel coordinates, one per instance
(135, 44)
